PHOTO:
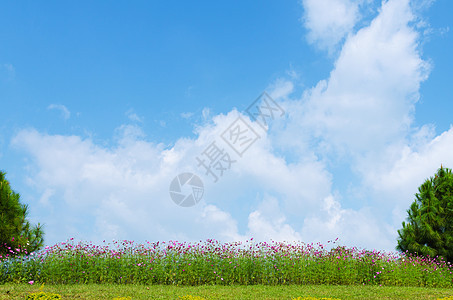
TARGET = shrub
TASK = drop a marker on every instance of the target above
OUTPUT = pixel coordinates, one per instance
(42, 296)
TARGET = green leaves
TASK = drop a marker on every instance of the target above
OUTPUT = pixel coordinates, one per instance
(429, 227)
(17, 235)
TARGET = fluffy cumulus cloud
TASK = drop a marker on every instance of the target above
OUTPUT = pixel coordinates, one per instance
(269, 223)
(123, 192)
(284, 186)
(358, 228)
(329, 21)
(363, 113)
(368, 100)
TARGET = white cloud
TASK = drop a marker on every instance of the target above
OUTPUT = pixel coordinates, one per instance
(368, 100)
(281, 89)
(95, 183)
(122, 191)
(133, 116)
(186, 115)
(302, 184)
(65, 113)
(410, 166)
(329, 21)
(360, 228)
(205, 113)
(219, 223)
(268, 222)
(44, 200)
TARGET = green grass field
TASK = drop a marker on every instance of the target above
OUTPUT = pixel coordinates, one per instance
(110, 291)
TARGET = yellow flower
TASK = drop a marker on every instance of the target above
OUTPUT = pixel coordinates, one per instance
(42, 296)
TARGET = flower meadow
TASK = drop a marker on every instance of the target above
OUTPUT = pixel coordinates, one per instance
(213, 262)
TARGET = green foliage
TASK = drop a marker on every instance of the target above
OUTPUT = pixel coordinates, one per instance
(213, 263)
(17, 236)
(42, 296)
(429, 231)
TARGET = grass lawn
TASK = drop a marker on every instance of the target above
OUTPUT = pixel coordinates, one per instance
(110, 291)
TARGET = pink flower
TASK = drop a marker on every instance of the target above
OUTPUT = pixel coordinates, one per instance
(31, 282)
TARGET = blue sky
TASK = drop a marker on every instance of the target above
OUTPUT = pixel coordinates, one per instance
(103, 104)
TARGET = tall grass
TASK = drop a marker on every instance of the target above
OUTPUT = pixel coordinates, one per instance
(212, 262)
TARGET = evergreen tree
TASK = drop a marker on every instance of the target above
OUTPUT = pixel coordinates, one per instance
(429, 230)
(16, 233)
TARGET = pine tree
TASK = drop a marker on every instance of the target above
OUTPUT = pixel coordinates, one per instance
(16, 233)
(429, 230)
